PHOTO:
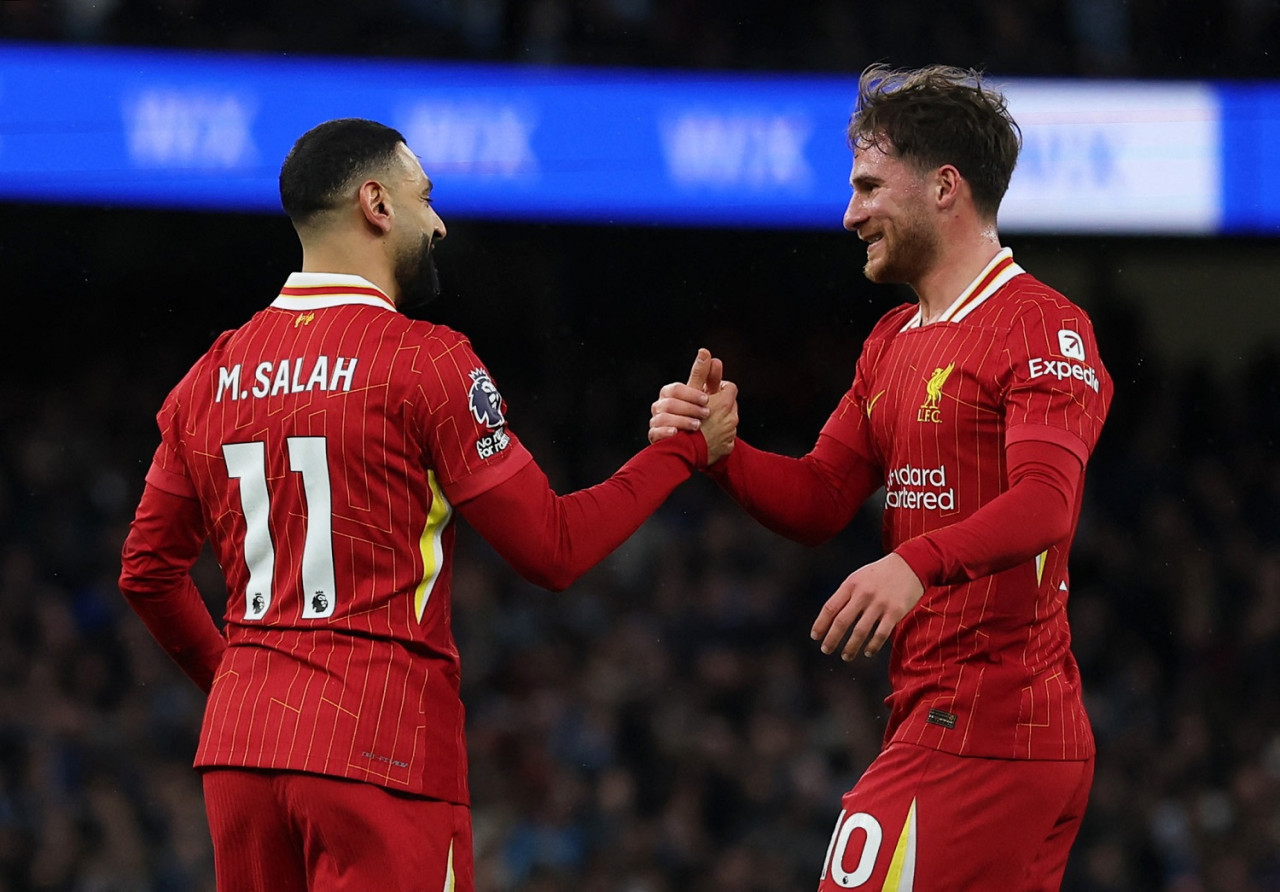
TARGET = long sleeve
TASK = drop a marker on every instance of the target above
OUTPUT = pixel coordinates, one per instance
(1032, 514)
(551, 539)
(807, 499)
(163, 544)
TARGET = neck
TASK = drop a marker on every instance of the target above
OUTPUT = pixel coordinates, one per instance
(349, 257)
(957, 265)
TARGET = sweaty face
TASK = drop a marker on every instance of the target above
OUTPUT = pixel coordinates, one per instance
(889, 211)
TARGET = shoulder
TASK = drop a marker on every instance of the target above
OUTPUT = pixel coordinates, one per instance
(1026, 299)
(893, 321)
(442, 336)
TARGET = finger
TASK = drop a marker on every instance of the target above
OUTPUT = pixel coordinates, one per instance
(826, 616)
(840, 626)
(714, 375)
(867, 627)
(678, 408)
(675, 422)
(880, 637)
(701, 366)
(683, 393)
(835, 618)
(661, 433)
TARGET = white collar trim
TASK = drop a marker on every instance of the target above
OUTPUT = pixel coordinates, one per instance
(309, 291)
(976, 292)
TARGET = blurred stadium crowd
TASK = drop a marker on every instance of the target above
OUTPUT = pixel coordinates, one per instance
(666, 724)
(1092, 38)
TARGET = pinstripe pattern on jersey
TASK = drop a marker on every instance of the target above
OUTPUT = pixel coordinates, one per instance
(370, 691)
(994, 651)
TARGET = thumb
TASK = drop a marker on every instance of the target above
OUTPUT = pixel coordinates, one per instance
(714, 376)
(701, 365)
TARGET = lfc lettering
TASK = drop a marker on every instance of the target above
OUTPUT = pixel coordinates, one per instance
(288, 376)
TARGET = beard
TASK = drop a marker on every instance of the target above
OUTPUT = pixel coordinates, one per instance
(905, 259)
(417, 279)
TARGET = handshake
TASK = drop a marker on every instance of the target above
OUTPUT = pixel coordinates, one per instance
(706, 403)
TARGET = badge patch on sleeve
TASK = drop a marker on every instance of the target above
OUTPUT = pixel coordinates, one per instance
(486, 408)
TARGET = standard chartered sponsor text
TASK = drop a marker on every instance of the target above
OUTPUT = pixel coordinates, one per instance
(927, 488)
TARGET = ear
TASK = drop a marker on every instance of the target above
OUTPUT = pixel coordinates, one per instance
(375, 204)
(947, 186)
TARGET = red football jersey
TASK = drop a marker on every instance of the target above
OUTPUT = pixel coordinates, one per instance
(980, 668)
(326, 440)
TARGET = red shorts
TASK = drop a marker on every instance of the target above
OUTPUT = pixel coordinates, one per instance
(281, 831)
(920, 820)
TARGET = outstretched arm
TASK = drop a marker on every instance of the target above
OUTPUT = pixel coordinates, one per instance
(551, 539)
(807, 499)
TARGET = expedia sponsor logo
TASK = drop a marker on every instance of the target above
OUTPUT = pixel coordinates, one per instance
(1063, 370)
(1071, 344)
(912, 487)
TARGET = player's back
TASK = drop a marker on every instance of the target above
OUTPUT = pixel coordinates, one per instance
(308, 436)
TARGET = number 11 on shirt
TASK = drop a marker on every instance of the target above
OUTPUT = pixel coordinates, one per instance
(308, 456)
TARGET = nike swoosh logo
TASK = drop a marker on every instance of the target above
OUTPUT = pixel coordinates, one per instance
(875, 399)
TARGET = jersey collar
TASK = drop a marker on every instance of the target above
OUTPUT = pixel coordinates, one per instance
(998, 272)
(310, 291)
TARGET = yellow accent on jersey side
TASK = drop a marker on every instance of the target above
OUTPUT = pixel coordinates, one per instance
(449, 880)
(902, 869)
(431, 544)
(1040, 561)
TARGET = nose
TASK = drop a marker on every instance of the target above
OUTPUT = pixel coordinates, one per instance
(853, 214)
(438, 226)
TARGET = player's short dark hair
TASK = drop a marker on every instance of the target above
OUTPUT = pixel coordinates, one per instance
(322, 164)
(940, 115)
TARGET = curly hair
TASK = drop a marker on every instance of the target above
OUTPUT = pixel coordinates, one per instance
(940, 115)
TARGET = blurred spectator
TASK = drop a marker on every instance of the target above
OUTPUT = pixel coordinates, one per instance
(665, 724)
(1052, 38)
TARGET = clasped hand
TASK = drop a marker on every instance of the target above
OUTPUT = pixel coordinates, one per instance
(867, 606)
(706, 403)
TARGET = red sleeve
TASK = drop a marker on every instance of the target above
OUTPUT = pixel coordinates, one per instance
(807, 499)
(155, 578)
(471, 447)
(1055, 385)
(550, 539)
(1034, 513)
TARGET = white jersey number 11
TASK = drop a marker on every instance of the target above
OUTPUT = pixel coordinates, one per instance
(308, 456)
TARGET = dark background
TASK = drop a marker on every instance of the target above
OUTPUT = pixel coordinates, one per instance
(666, 724)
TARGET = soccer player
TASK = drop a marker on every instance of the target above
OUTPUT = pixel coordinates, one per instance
(323, 449)
(976, 408)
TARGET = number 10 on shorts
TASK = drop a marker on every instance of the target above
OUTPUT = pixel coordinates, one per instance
(850, 867)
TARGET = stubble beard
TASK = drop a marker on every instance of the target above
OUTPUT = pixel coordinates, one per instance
(907, 257)
(417, 279)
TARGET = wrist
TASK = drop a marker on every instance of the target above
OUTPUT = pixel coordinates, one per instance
(920, 555)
